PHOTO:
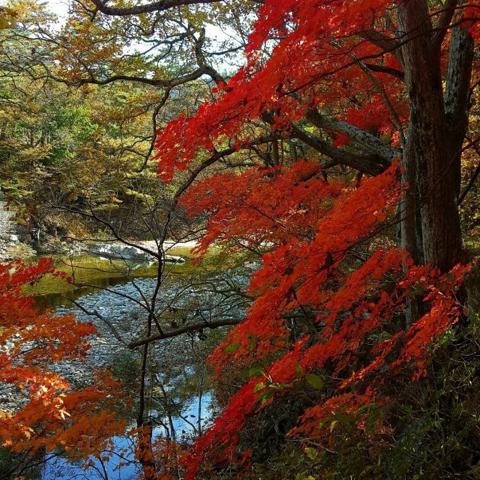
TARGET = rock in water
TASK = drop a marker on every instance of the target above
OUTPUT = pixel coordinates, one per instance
(114, 251)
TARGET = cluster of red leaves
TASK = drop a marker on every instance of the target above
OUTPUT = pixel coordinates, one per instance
(320, 51)
(50, 412)
(352, 319)
(309, 228)
(297, 268)
(269, 206)
(472, 16)
(404, 351)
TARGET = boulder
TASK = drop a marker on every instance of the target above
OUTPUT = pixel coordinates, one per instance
(115, 251)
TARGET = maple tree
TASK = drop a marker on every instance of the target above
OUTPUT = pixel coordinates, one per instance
(306, 61)
(344, 310)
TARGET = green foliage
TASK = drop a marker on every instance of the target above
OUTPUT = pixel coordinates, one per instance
(315, 381)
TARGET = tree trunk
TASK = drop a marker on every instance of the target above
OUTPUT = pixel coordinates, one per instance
(411, 239)
(144, 451)
(430, 143)
(457, 94)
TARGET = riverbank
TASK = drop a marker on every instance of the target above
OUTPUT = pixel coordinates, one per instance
(89, 271)
(10, 245)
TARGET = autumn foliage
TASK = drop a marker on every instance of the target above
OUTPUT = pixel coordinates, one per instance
(329, 305)
(52, 413)
(309, 56)
(353, 305)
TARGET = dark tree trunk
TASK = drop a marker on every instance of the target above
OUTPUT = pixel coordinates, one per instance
(433, 147)
(411, 238)
(457, 95)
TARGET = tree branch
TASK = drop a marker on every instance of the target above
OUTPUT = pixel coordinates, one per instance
(370, 142)
(161, 6)
(443, 23)
(185, 329)
(155, 82)
(383, 69)
(369, 164)
(384, 42)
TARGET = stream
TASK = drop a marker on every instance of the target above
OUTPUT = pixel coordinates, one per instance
(178, 362)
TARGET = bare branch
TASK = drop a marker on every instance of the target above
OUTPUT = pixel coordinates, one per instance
(369, 142)
(185, 329)
(370, 164)
(444, 23)
(388, 70)
(160, 6)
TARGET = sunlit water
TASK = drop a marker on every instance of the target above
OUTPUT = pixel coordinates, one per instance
(119, 463)
(117, 301)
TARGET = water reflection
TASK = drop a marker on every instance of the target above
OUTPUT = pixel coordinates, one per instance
(54, 300)
(177, 365)
(119, 463)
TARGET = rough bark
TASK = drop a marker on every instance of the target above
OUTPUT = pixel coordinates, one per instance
(428, 144)
(457, 94)
(408, 208)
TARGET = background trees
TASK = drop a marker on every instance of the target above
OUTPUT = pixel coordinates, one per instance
(66, 106)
